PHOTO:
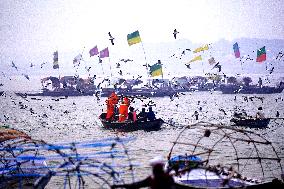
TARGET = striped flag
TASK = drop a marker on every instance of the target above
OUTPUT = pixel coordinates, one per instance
(236, 50)
(156, 70)
(261, 54)
(133, 38)
(55, 60)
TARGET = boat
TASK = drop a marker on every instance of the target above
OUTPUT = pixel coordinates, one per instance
(251, 122)
(130, 125)
(1, 92)
(250, 89)
(65, 86)
(147, 92)
(190, 172)
(153, 88)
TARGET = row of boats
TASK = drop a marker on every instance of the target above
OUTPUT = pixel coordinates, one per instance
(74, 86)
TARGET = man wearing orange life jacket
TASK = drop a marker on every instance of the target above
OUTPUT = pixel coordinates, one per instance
(111, 103)
(123, 111)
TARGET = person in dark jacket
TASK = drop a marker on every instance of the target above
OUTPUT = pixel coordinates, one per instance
(151, 115)
(142, 116)
(159, 180)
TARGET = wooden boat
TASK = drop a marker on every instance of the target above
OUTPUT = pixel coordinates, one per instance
(251, 89)
(190, 173)
(251, 122)
(130, 125)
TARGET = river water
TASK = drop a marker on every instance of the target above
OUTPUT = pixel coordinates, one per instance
(57, 120)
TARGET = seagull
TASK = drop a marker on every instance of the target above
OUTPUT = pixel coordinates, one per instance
(175, 33)
(270, 71)
(26, 76)
(14, 66)
(111, 38)
(188, 66)
(117, 65)
(41, 66)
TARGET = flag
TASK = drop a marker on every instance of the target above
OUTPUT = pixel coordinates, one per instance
(199, 49)
(261, 54)
(94, 51)
(104, 53)
(236, 50)
(77, 60)
(133, 38)
(195, 59)
(55, 60)
(211, 61)
(156, 70)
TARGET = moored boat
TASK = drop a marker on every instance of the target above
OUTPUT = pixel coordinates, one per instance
(251, 122)
(251, 89)
(130, 125)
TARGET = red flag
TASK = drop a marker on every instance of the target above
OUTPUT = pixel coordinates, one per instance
(94, 51)
(104, 53)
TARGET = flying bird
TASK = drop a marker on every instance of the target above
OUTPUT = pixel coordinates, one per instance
(41, 66)
(14, 66)
(175, 33)
(32, 65)
(111, 38)
(217, 66)
(26, 76)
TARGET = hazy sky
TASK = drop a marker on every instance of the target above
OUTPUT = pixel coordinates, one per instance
(69, 24)
(31, 30)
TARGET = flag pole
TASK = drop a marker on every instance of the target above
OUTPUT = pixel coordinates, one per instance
(109, 66)
(145, 57)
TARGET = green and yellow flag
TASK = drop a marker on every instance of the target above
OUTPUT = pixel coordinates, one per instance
(133, 38)
(156, 70)
(195, 59)
(199, 49)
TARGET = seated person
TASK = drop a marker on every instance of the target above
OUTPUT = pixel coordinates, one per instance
(151, 115)
(260, 114)
(142, 116)
(132, 114)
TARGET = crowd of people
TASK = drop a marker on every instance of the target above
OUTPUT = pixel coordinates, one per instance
(119, 109)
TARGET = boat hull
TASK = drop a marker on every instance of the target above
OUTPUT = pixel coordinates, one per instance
(253, 123)
(59, 93)
(234, 89)
(132, 126)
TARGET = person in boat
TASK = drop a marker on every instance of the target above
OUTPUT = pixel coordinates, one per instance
(150, 114)
(142, 116)
(259, 114)
(111, 105)
(123, 111)
(160, 179)
(132, 114)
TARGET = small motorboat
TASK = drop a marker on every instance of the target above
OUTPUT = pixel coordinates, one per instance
(190, 172)
(251, 122)
(130, 125)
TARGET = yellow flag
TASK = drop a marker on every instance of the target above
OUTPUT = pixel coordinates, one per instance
(195, 59)
(199, 49)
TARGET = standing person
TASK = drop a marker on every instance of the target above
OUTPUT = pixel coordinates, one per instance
(123, 111)
(132, 114)
(111, 104)
(151, 115)
(158, 180)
